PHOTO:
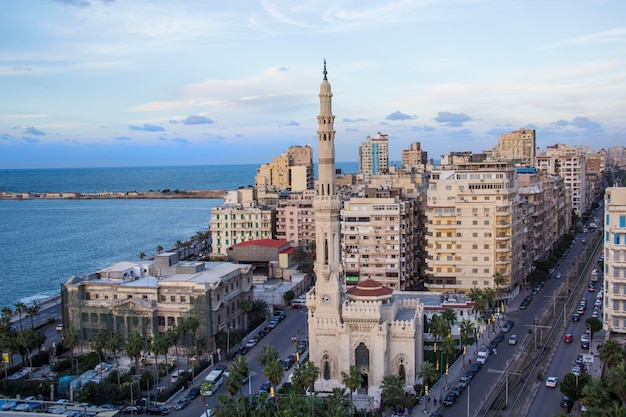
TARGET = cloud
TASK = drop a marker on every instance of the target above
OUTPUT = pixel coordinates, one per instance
(7, 138)
(291, 123)
(33, 131)
(180, 140)
(30, 140)
(351, 129)
(147, 128)
(354, 120)
(80, 3)
(122, 138)
(398, 115)
(198, 120)
(452, 119)
(583, 123)
(614, 35)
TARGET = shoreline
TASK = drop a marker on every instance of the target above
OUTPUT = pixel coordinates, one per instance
(119, 195)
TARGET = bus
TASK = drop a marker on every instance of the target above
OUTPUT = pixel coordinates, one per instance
(212, 382)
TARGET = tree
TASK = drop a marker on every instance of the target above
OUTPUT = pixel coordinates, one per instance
(428, 373)
(304, 377)
(615, 381)
(449, 315)
(288, 296)
(439, 327)
(259, 311)
(20, 308)
(352, 381)
(392, 390)
(498, 280)
(448, 347)
(98, 345)
(490, 297)
(571, 385)
(274, 372)
(114, 344)
(611, 353)
(135, 345)
(594, 394)
(32, 311)
(467, 329)
(70, 339)
(270, 354)
(159, 249)
(173, 335)
(594, 324)
(142, 255)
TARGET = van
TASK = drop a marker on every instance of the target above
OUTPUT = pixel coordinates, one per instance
(298, 302)
(176, 374)
(483, 354)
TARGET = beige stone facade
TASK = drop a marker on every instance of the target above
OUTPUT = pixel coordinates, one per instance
(152, 297)
(292, 170)
(518, 147)
(615, 259)
(415, 158)
(473, 228)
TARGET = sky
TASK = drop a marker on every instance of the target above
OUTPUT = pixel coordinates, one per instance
(108, 83)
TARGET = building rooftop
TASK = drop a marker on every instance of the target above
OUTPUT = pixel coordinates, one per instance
(270, 243)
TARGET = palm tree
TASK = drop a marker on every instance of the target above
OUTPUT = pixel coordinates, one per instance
(142, 255)
(114, 344)
(490, 297)
(32, 311)
(173, 335)
(269, 355)
(439, 327)
(304, 377)
(70, 339)
(259, 310)
(594, 394)
(611, 353)
(499, 280)
(428, 373)
(20, 307)
(475, 294)
(448, 347)
(274, 372)
(134, 348)
(159, 249)
(449, 315)
(160, 346)
(25, 341)
(615, 381)
(352, 381)
(392, 389)
(98, 345)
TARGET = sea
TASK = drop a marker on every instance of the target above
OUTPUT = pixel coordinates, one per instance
(45, 242)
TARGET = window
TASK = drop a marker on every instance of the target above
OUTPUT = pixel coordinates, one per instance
(616, 305)
(622, 221)
(173, 298)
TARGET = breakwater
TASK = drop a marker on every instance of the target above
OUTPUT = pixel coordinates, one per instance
(103, 195)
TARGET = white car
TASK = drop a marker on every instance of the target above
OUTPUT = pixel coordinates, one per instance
(576, 370)
(558, 275)
(584, 338)
(513, 339)
(552, 381)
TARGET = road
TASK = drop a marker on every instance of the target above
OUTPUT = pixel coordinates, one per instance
(484, 382)
(279, 338)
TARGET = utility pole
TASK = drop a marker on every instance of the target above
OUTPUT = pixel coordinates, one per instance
(554, 297)
(536, 325)
(505, 372)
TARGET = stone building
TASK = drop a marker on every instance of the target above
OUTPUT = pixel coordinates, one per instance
(292, 170)
(152, 297)
(295, 219)
(374, 156)
(615, 259)
(368, 326)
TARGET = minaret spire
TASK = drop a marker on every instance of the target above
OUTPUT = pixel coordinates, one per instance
(325, 72)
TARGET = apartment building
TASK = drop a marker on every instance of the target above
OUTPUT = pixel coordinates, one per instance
(292, 170)
(381, 239)
(373, 156)
(235, 223)
(415, 158)
(473, 228)
(517, 147)
(615, 259)
(152, 297)
(295, 218)
(569, 163)
(545, 211)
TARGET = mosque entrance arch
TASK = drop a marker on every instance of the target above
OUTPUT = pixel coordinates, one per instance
(362, 363)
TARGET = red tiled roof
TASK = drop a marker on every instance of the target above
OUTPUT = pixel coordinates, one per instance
(369, 288)
(268, 243)
(289, 250)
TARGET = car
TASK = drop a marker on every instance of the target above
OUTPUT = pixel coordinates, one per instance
(157, 410)
(59, 327)
(595, 314)
(450, 399)
(584, 337)
(568, 338)
(286, 363)
(576, 317)
(499, 337)
(265, 387)
(182, 403)
(576, 370)
(280, 315)
(464, 381)
(262, 333)
(566, 402)
(552, 382)
(475, 367)
(292, 358)
(193, 392)
(272, 324)
(583, 241)
(513, 339)
(584, 345)
(132, 409)
(558, 275)
(251, 343)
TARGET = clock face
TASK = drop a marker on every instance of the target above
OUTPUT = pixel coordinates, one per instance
(326, 299)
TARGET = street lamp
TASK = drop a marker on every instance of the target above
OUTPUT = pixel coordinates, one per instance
(250, 375)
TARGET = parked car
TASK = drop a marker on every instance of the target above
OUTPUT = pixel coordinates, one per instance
(182, 403)
(132, 409)
(251, 343)
(265, 387)
(566, 402)
(576, 317)
(450, 399)
(513, 339)
(157, 410)
(193, 392)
